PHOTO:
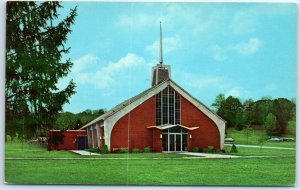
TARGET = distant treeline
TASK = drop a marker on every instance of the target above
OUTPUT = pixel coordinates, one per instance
(272, 115)
(68, 120)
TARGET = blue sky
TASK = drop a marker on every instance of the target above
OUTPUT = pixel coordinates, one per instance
(239, 49)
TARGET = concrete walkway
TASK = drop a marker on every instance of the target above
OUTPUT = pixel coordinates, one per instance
(256, 146)
(195, 156)
(84, 153)
(206, 155)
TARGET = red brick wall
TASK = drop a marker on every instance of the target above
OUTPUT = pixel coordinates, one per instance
(69, 140)
(207, 134)
(157, 141)
(144, 115)
(133, 126)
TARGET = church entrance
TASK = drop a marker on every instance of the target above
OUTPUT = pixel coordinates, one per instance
(175, 139)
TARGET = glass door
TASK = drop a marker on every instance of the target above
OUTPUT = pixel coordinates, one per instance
(178, 142)
(171, 142)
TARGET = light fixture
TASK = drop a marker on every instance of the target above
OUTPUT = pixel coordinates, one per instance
(190, 136)
(160, 136)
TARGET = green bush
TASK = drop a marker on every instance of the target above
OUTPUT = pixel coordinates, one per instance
(136, 150)
(233, 149)
(218, 151)
(195, 149)
(147, 149)
(209, 149)
(104, 149)
(94, 150)
(123, 150)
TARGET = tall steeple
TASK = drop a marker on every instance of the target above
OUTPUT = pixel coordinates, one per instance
(160, 47)
(160, 72)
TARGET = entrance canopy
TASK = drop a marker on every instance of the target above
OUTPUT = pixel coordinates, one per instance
(167, 126)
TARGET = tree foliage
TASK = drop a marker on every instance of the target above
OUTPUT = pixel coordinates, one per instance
(68, 120)
(34, 63)
(270, 124)
(217, 103)
(273, 115)
(231, 110)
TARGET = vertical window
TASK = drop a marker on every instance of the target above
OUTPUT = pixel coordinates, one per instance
(177, 108)
(167, 107)
(158, 109)
(171, 106)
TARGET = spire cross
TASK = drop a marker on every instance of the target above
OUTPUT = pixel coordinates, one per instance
(161, 50)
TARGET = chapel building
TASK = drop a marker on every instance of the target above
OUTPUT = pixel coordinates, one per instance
(164, 117)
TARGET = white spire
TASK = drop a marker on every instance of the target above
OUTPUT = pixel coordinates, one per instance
(161, 50)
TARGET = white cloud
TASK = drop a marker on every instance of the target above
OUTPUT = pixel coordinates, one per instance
(88, 70)
(244, 22)
(238, 92)
(204, 81)
(169, 44)
(235, 91)
(247, 48)
(84, 62)
(218, 53)
(103, 77)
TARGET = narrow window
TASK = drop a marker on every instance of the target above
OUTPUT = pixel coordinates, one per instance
(158, 109)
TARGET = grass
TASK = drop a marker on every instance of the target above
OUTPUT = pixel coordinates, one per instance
(33, 150)
(245, 151)
(240, 138)
(254, 171)
(236, 172)
(14, 150)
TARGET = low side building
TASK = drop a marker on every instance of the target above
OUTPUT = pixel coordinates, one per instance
(67, 140)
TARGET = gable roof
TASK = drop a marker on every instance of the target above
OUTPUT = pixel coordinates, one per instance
(122, 105)
(125, 103)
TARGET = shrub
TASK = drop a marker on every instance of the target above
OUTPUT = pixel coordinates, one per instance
(147, 149)
(104, 149)
(209, 149)
(136, 150)
(233, 149)
(195, 149)
(123, 150)
(94, 150)
(218, 151)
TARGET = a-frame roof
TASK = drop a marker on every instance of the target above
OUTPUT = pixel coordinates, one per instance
(157, 88)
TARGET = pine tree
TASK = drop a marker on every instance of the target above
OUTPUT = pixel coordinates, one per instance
(34, 64)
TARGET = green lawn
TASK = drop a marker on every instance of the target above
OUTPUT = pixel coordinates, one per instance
(14, 150)
(243, 151)
(173, 171)
(255, 171)
(240, 138)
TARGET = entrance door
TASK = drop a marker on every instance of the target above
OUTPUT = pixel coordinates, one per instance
(175, 139)
(171, 142)
(175, 142)
(81, 142)
(178, 142)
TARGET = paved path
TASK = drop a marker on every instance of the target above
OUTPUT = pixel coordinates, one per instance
(99, 158)
(84, 153)
(195, 156)
(256, 146)
(206, 155)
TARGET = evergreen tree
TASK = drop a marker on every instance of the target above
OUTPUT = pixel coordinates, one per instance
(35, 44)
